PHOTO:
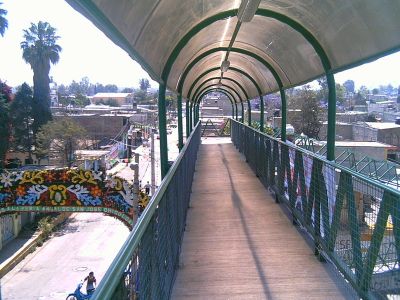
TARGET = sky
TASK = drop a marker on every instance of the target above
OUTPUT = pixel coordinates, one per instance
(88, 52)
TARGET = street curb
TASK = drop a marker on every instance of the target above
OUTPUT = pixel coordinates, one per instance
(28, 247)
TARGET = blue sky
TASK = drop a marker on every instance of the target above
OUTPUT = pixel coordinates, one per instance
(88, 52)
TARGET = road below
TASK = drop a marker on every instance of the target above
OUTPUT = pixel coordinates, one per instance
(87, 242)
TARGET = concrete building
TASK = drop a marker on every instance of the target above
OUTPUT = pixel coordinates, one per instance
(120, 98)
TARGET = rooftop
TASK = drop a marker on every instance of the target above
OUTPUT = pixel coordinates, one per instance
(112, 95)
(383, 125)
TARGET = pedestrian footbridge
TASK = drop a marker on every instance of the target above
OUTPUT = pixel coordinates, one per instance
(257, 218)
(260, 220)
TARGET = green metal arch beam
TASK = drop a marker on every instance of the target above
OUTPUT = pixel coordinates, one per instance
(216, 78)
(236, 50)
(230, 69)
(236, 70)
(222, 91)
(225, 86)
(227, 93)
(260, 12)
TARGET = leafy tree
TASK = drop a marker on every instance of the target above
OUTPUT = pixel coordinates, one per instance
(21, 116)
(349, 86)
(375, 91)
(144, 84)
(60, 138)
(127, 90)
(323, 92)
(311, 114)
(5, 128)
(371, 118)
(3, 20)
(340, 94)
(40, 49)
(140, 96)
(110, 88)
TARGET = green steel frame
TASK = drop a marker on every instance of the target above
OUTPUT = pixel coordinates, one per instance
(222, 91)
(146, 264)
(303, 181)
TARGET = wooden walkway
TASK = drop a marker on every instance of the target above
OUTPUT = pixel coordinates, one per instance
(239, 244)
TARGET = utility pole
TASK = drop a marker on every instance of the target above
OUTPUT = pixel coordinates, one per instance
(153, 165)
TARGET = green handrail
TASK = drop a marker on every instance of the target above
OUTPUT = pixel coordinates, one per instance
(112, 277)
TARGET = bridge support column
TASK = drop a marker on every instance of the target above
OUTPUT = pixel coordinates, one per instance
(330, 140)
(187, 119)
(261, 114)
(162, 127)
(241, 103)
(180, 129)
(284, 113)
(191, 117)
(236, 111)
(249, 112)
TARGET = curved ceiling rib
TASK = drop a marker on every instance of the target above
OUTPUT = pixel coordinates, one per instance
(230, 70)
(242, 51)
(217, 86)
(220, 90)
(261, 12)
(226, 78)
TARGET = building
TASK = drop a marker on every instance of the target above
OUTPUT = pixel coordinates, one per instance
(118, 98)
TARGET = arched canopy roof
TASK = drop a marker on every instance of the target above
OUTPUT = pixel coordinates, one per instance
(300, 40)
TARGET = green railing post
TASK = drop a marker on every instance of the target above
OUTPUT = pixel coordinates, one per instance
(249, 112)
(191, 116)
(236, 111)
(162, 127)
(241, 103)
(187, 118)
(180, 129)
(261, 114)
(233, 111)
(284, 113)
(330, 140)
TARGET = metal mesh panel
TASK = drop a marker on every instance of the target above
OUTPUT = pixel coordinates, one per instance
(353, 220)
(150, 271)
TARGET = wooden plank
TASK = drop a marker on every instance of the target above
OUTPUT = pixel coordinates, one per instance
(239, 244)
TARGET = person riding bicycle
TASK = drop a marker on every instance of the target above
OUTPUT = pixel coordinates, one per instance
(91, 282)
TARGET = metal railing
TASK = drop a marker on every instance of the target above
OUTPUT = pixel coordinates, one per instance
(354, 220)
(145, 266)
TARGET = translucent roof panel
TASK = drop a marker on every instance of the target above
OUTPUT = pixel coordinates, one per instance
(348, 30)
(248, 64)
(289, 35)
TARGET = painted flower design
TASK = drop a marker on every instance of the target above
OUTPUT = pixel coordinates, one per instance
(95, 191)
(50, 176)
(5, 179)
(64, 176)
(58, 194)
(20, 190)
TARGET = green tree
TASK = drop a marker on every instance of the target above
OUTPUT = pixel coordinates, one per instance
(311, 113)
(144, 84)
(21, 116)
(3, 20)
(5, 126)
(40, 50)
(60, 138)
(323, 92)
(340, 94)
(140, 96)
(349, 86)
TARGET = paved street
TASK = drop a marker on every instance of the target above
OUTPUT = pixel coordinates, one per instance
(88, 242)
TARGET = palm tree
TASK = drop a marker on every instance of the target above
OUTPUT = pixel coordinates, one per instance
(39, 50)
(3, 21)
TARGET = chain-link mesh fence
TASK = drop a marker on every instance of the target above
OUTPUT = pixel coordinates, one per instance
(354, 219)
(146, 264)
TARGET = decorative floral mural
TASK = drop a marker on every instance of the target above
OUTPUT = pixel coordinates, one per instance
(67, 190)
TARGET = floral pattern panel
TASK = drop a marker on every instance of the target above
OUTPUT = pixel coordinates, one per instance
(67, 190)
